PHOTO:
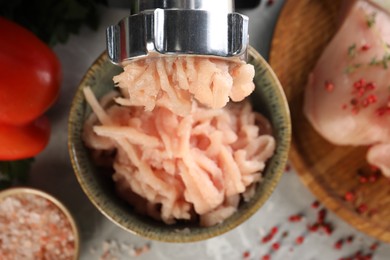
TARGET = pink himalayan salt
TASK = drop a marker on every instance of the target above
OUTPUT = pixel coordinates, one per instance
(32, 227)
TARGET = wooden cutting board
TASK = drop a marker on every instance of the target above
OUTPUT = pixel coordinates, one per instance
(303, 30)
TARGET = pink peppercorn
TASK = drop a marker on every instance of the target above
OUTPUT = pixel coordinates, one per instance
(266, 257)
(275, 246)
(363, 179)
(349, 196)
(374, 246)
(365, 47)
(362, 208)
(274, 230)
(329, 86)
(266, 239)
(321, 215)
(314, 227)
(350, 239)
(339, 244)
(299, 240)
(315, 204)
(327, 228)
(270, 2)
(295, 218)
(246, 255)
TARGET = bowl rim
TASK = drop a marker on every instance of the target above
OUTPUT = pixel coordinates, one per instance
(28, 190)
(184, 237)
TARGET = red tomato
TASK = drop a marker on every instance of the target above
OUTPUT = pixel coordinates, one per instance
(20, 142)
(30, 75)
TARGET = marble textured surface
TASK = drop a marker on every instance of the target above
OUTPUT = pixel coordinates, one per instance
(52, 172)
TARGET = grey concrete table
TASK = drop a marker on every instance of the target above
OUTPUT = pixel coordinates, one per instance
(52, 172)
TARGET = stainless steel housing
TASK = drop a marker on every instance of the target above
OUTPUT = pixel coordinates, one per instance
(179, 28)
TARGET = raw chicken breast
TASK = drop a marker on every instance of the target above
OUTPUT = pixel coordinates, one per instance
(379, 155)
(347, 98)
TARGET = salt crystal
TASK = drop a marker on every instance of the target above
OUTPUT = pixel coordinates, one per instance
(28, 231)
(112, 249)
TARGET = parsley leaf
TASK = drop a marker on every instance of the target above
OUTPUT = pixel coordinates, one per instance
(371, 19)
(351, 68)
(352, 50)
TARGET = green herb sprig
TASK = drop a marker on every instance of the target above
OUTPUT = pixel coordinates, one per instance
(53, 21)
(371, 19)
(352, 50)
(382, 62)
(14, 172)
(351, 68)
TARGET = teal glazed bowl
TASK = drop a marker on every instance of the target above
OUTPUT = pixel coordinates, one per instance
(268, 98)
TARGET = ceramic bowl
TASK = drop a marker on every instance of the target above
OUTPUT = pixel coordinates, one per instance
(268, 98)
(24, 190)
